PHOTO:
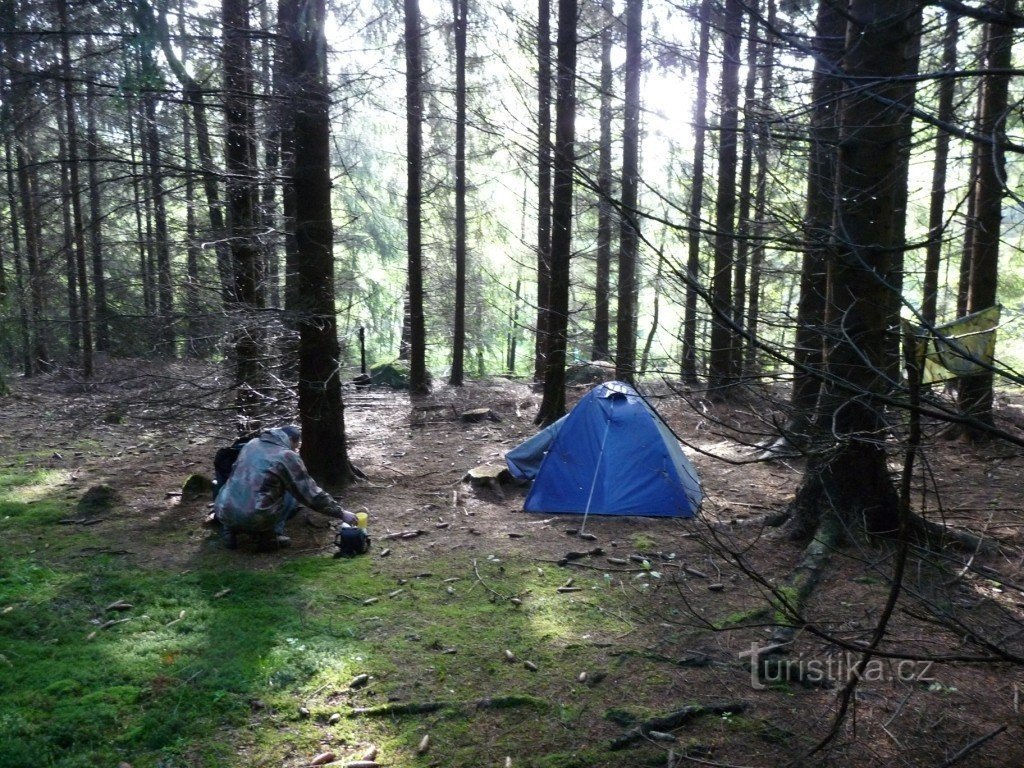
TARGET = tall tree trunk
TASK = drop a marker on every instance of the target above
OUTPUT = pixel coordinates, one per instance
(25, 161)
(757, 252)
(68, 247)
(242, 196)
(284, 66)
(513, 328)
(721, 373)
(963, 296)
(195, 329)
(459, 9)
(320, 406)
(744, 225)
(552, 405)
(975, 396)
(851, 476)
(273, 114)
(99, 280)
(160, 244)
(645, 356)
(629, 232)
(937, 203)
(688, 370)
(140, 197)
(544, 224)
(192, 91)
(24, 298)
(418, 382)
(601, 347)
(905, 95)
(826, 91)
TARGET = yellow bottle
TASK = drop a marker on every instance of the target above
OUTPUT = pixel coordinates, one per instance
(361, 519)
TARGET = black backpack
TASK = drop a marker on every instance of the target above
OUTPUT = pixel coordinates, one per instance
(351, 541)
(223, 462)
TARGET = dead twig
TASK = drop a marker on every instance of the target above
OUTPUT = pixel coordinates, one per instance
(972, 746)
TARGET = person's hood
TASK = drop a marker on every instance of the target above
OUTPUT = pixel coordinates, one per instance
(277, 436)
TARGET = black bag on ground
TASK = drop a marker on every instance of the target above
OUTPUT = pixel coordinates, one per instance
(223, 462)
(351, 541)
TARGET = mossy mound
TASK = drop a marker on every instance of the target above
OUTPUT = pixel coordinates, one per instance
(97, 500)
(197, 486)
(394, 375)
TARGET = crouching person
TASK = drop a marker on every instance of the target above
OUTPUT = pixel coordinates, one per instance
(266, 487)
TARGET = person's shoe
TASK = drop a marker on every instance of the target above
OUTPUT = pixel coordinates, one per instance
(272, 542)
(230, 539)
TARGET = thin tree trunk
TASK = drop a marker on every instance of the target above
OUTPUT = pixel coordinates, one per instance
(937, 204)
(757, 253)
(68, 246)
(459, 9)
(552, 405)
(418, 382)
(544, 213)
(99, 280)
(513, 330)
(975, 396)
(906, 94)
(30, 218)
(273, 114)
(195, 333)
(160, 245)
(192, 92)
(24, 298)
(602, 288)
(744, 225)
(629, 232)
(721, 374)
(963, 296)
(688, 370)
(645, 356)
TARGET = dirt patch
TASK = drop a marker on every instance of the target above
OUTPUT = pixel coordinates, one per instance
(711, 597)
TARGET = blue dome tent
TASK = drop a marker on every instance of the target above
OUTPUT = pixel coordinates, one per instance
(611, 455)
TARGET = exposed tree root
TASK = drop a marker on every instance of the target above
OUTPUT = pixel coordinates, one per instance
(792, 596)
(673, 720)
(938, 537)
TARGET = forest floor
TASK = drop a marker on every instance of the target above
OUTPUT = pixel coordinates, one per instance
(482, 645)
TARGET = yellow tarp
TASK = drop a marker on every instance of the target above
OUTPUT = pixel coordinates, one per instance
(964, 347)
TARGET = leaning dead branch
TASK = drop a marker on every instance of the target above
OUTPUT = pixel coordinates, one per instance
(673, 720)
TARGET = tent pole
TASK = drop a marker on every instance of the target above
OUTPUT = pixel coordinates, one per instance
(597, 468)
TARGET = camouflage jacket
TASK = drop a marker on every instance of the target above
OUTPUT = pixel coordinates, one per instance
(267, 468)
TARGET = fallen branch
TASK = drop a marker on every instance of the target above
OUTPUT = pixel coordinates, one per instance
(971, 747)
(403, 535)
(397, 708)
(674, 720)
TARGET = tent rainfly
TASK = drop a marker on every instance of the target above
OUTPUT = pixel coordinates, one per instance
(612, 454)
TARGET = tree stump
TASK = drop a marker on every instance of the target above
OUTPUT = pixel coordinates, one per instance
(478, 415)
(488, 476)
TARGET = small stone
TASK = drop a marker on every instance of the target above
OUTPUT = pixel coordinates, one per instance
(359, 681)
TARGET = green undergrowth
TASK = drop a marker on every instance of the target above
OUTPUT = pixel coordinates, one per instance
(230, 662)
